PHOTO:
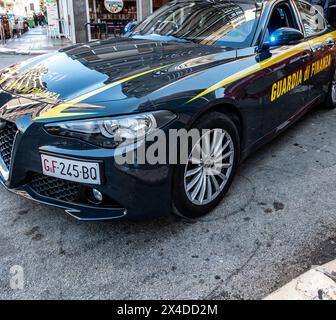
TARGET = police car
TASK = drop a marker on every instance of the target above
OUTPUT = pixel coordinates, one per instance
(242, 70)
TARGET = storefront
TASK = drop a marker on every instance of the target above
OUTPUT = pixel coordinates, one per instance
(108, 17)
(65, 12)
(83, 20)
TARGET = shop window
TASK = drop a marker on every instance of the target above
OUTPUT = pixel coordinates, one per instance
(105, 24)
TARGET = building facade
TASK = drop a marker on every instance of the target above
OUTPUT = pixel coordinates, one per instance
(19, 7)
(85, 20)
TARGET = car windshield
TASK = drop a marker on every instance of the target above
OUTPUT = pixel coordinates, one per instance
(219, 23)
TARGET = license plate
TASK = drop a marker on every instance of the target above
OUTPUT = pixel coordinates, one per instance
(72, 170)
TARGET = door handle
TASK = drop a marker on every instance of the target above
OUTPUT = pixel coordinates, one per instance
(302, 57)
(306, 56)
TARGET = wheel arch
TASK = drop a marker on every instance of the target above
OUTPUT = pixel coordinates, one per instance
(231, 110)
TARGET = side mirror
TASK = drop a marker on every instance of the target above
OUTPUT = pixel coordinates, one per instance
(130, 27)
(286, 36)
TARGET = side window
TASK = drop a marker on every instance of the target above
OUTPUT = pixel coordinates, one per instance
(282, 16)
(313, 21)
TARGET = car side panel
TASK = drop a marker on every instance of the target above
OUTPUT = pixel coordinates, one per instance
(253, 87)
(324, 50)
(285, 91)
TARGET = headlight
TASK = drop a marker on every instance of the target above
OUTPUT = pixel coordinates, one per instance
(112, 132)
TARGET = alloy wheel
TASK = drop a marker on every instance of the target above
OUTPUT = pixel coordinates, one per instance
(209, 167)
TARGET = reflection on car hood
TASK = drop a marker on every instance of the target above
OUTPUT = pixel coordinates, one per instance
(111, 70)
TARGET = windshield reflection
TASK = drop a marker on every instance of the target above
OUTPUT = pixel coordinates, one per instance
(224, 23)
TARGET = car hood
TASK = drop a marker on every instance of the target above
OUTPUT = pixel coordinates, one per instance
(113, 73)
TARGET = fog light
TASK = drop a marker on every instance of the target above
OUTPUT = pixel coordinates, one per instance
(97, 195)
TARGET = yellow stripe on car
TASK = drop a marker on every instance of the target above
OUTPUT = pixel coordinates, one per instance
(58, 111)
(265, 64)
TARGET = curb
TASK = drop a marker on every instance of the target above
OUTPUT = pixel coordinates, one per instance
(22, 52)
(319, 283)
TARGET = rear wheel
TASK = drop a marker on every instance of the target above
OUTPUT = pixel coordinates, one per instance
(331, 98)
(202, 183)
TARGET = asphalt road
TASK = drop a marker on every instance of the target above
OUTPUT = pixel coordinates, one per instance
(278, 219)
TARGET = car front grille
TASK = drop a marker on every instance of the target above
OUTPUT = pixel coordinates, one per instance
(7, 137)
(55, 188)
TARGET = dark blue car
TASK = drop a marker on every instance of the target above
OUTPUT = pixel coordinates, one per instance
(242, 70)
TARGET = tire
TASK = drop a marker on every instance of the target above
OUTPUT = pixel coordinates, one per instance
(219, 125)
(330, 103)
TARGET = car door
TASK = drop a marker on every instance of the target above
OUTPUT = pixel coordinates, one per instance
(322, 44)
(287, 91)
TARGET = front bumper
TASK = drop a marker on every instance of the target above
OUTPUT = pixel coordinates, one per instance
(80, 212)
(134, 192)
